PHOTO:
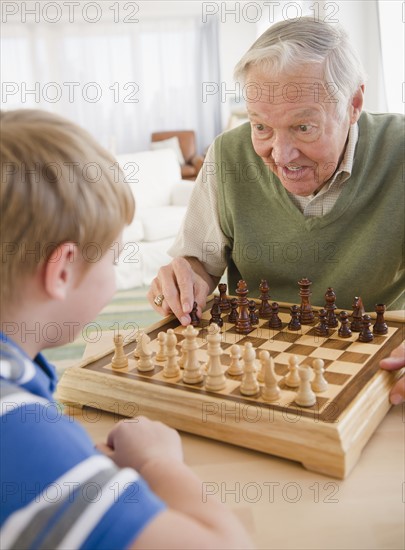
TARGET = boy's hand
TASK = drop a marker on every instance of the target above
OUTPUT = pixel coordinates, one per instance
(135, 441)
(394, 362)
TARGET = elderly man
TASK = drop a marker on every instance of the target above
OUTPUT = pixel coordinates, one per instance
(311, 186)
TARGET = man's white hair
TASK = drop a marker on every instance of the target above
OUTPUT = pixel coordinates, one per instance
(287, 45)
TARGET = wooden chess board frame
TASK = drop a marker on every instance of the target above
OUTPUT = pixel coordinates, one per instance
(327, 438)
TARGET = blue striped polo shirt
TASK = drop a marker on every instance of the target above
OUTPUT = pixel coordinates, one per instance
(57, 491)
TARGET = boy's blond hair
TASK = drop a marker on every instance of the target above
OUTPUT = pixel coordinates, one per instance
(57, 185)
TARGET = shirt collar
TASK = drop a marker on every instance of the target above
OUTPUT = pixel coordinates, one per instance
(37, 376)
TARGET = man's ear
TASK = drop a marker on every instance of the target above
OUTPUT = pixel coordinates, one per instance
(356, 105)
(60, 271)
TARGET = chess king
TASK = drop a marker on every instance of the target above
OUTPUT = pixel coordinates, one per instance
(309, 187)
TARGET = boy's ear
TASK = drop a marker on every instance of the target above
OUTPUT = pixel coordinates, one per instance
(60, 271)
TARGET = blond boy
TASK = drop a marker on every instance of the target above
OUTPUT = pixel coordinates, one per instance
(63, 208)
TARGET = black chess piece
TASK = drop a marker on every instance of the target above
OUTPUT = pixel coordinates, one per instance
(224, 303)
(357, 315)
(216, 313)
(275, 321)
(243, 325)
(366, 335)
(233, 316)
(265, 308)
(254, 319)
(295, 323)
(380, 326)
(330, 307)
(344, 329)
(322, 328)
(195, 320)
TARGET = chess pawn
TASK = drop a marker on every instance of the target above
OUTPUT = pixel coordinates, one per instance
(270, 391)
(236, 366)
(249, 384)
(119, 359)
(322, 328)
(275, 321)
(216, 313)
(145, 363)
(233, 316)
(171, 368)
(192, 370)
(161, 354)
(305, 397)
(294, 323)
(292, 379)
(215, 379)
(380, 326)
(366, 335)
(254, 319)
(344, 330)
(319, 384)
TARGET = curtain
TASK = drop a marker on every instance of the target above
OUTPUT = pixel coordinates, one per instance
(120, 81)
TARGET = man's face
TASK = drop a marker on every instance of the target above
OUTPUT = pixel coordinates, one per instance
(294, 127)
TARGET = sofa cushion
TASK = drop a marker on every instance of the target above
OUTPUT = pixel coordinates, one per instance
(133, 232)
(151, 175)
(162, 222)
(171, 143)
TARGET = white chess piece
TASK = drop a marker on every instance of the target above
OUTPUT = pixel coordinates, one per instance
(138, 344)
(319, 384)
(249, 384)
(270, 391)
(236, 366)
(292, 379)
(192, 370)
(145, 363)
(161, 355)
(119, 359)
(215, 379)
(305, 397)
(171, 368)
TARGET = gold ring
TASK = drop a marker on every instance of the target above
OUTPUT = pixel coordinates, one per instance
(159, 300)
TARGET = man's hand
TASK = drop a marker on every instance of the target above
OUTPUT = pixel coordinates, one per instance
(395, 362)
(182, 282)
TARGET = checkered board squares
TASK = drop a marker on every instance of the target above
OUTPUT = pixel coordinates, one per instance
(346, 360)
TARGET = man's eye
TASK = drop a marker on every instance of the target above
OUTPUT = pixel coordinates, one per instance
(259, 127)
(304, 127)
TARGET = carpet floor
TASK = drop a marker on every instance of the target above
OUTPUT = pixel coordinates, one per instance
(129, 309)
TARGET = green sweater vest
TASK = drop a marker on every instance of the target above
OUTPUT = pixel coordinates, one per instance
(357, 248)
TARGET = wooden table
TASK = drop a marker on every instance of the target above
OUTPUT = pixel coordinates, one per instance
(284, 506)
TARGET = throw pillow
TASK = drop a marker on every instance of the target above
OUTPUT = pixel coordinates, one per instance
(171, 143)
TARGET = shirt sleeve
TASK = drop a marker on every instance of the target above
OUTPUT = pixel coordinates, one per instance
(200, 235)
(57, 490)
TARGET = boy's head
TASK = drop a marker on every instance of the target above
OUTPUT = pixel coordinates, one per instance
(58, 186)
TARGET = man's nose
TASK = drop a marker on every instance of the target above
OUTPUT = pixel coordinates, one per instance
(284, 150)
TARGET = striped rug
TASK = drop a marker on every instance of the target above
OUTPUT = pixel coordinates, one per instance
(128, 309)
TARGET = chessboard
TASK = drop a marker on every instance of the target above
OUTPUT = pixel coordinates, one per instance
(327, 436)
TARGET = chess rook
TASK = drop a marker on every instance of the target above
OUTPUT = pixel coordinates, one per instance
(380, 326)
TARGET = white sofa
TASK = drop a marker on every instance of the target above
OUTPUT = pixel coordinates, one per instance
(161, 198)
